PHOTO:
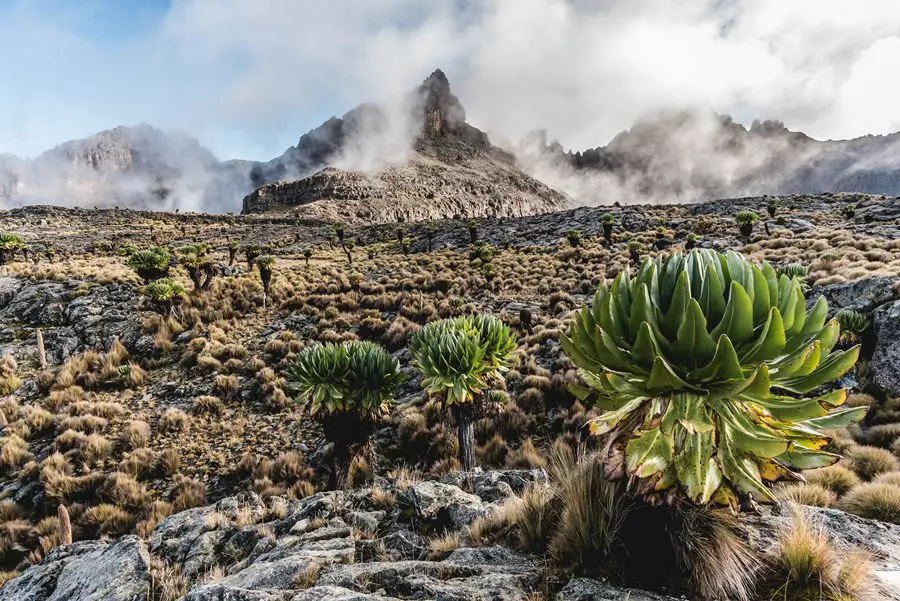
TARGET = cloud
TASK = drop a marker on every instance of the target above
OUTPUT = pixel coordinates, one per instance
(248, 77)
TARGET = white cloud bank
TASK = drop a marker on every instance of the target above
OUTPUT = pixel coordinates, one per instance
(249, 76)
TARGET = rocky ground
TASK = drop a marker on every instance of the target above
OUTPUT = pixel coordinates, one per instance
(364, 544)
(146, 424)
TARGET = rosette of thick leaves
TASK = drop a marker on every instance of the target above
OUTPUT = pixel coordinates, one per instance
(704, 364)
(458, 357)
(354, 376)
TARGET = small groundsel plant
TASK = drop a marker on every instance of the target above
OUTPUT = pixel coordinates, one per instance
(458, 359)
(745, 221)
(711, 374)
(9, 244)
(164, 293)
(853, 324)
(150, 263)
(347, 388)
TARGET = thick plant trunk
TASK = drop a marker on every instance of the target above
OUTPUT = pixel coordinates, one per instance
(347, 432)
(465, 431)
(341, 456)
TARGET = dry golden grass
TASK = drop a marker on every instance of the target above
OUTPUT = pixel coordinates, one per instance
(807, 566)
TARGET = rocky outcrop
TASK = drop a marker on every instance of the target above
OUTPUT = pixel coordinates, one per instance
(71, 317)
(451, 170)
(86, 571)
(863, 295)
(346, 545)
(885, 362)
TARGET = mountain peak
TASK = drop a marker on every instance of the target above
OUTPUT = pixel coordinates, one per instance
(442, 110)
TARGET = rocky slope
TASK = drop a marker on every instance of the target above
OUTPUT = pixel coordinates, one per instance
(452, 170)
(695, 155)
(139, 167)
(193, 409)
(368, 544)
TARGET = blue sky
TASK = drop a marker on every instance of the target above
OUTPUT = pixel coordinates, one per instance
(248, 77)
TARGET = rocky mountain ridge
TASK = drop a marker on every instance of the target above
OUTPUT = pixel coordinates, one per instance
(415, 157)
(452, 170)
(697, 155)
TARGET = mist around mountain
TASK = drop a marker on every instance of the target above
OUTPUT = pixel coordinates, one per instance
(696, 155)
(416, 157)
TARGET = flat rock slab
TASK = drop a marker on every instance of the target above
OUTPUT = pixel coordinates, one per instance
(337, 593)
(444, 504)
(587, 589)
(86, 571)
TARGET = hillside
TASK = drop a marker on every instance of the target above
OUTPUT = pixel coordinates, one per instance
(172, 430)
(696, 155)
(451, 170)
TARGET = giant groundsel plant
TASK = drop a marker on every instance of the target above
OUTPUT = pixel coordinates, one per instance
(712, 375)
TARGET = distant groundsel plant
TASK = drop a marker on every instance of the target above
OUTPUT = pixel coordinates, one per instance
(164, 293)
(150, 264)
(457, 359)
(702, 363)
(9, 244)
(347, 387)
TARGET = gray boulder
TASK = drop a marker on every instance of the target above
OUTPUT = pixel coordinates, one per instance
(588, 589)
(441, 504)
(40, 304)
(9, 287)
(860, 295)
(106, 313)
(86, 571)
(885, 363)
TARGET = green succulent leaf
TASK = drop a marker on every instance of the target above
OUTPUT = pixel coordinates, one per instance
(649, 452)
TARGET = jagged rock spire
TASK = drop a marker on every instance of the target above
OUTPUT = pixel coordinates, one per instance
(442, 110)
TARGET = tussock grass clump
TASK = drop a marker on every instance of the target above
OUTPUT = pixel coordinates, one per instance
(713, 558)
(836, 478)
(443, 544)
(892, 478)
(874, 500)
(814, 495)
(868, 462)
(188, 493)
(106, 520)
(884, 435)
(859, 400)
(174, 420)
(807, 566)
(135, 435)
(9, 381)
(592, 513)
(207, 405)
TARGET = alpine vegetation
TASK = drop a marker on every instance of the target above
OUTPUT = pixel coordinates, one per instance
(711, 374)
(347, 387)
(458, 359)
